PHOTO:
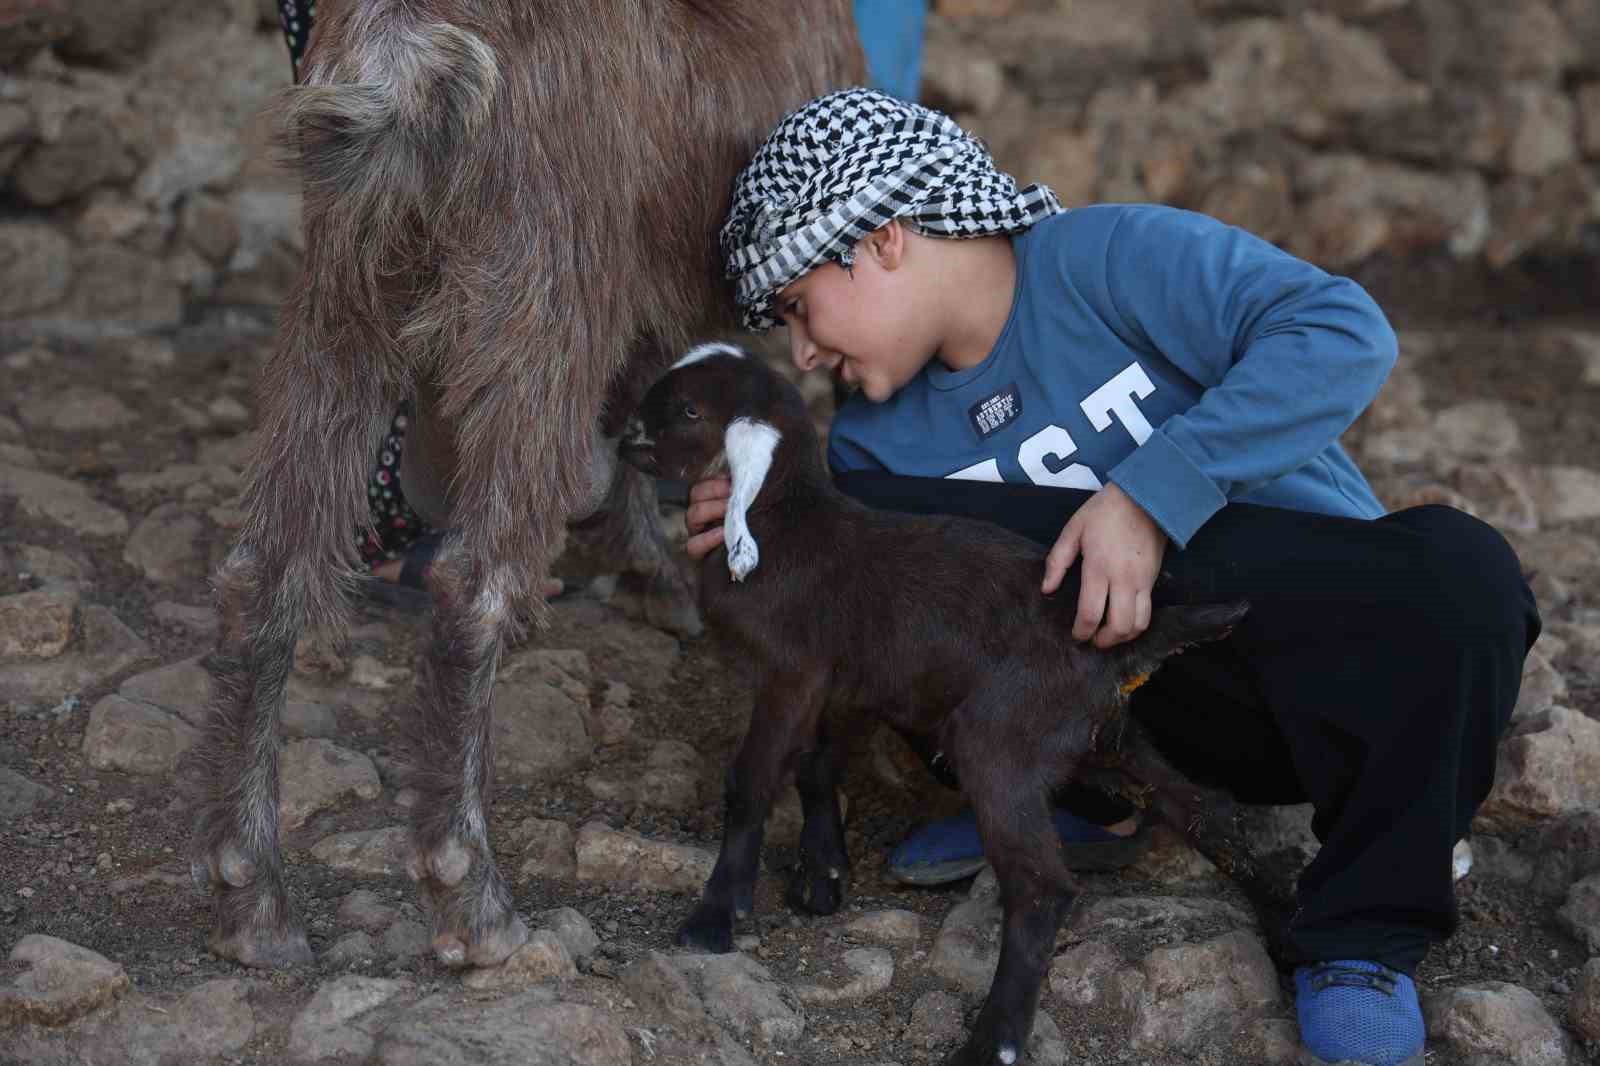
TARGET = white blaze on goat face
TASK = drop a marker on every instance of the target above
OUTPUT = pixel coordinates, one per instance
(748, 446)
(706, 351)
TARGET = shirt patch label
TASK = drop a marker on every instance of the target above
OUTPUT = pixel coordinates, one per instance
(995, 413)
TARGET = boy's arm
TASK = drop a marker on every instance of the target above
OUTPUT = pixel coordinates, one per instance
(1287, 354)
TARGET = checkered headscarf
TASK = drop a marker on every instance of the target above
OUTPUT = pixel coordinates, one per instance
(844, 165)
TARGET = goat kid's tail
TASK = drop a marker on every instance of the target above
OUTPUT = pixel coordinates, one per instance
(379, 130)
(1171, 630)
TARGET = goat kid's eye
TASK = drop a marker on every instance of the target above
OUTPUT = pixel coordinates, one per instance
(690, 411)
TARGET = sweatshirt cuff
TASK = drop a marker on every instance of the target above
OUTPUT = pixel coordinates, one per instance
(1173, 491)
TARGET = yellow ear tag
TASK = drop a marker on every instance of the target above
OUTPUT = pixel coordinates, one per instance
(1132, 683)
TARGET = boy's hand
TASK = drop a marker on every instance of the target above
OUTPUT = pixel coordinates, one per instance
(708, 503)
(1122, 549)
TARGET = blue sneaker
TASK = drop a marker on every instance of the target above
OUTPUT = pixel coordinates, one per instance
(1358, 1012)
(948, 850)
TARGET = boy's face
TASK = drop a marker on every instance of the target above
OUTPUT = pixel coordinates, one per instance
(860, 326)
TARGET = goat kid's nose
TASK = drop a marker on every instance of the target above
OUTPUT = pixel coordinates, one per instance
(634, 434)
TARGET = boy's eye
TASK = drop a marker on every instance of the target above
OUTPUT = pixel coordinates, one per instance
(690, 411)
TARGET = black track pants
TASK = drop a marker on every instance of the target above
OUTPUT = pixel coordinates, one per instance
(1373, 676)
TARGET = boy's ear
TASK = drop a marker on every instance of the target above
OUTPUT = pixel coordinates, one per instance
(887, 244)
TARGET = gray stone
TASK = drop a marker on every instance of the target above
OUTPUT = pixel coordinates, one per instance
(78, 409)
(1580, 914)
(618, 857)
(660, 988)
(521, 1030)
(127, 735)
(1081, 975)
(53, 567)
(1046, 1045)
(183, 687)
(405, 940)
(59, 981)
(872, 971)
(549, 849)
(302, 718)
(540, 731)
(1186, 996)
(1583, 1012)
(201, 621)
(365, 910)
(741, 994)
(887, 926)
(573, 930)
(164, 547)
(318, 774)
(64, 502)
(38, 624)
(18, 795)
(366, 853)
(1496, 1020)
(967, 948)
(352, 949)
(110, 648)
(1551, 767)
(338, 1019)
(936, 1022)
(35, 268)
(542, 958)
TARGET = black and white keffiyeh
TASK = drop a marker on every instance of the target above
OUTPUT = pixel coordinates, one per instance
(844, 165)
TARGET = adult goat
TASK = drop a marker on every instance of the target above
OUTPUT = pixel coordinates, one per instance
(510, 216)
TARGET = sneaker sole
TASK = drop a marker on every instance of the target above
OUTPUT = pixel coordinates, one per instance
(1308, 1059)
(1103, 857)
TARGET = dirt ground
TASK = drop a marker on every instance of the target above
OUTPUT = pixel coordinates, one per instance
(117, 882)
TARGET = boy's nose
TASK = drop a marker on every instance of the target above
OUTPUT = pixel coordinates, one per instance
(802, 350)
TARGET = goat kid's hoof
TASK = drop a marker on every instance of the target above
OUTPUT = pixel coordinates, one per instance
(709, 928)
(273, 949)
(986, 1048)
(817, 891)
(456, 951)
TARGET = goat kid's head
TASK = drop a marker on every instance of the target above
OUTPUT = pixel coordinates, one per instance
(717, 410)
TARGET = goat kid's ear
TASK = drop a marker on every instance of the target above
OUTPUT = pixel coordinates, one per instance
(749, 446)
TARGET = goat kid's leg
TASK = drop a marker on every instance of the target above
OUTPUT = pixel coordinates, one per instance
(1213, 820)
(782, 723)
(452, 863)
(1011, 801)
(236, 831)
(818, 885)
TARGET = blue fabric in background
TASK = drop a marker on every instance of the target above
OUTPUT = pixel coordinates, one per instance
(891, 36)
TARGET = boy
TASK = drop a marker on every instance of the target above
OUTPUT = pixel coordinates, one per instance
(1131, 384)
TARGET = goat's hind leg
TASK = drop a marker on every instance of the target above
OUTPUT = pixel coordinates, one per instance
(1009, 791)
(236, 833)
(318, 433)
(818, 884)
(452, 863)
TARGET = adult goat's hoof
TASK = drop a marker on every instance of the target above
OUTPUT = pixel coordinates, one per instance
(709, 928)
(266, 949)
(457, 949)
(988, 1047)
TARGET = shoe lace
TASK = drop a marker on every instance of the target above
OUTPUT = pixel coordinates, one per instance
(1328, 974)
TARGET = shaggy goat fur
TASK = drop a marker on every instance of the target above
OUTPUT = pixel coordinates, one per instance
(510, 217)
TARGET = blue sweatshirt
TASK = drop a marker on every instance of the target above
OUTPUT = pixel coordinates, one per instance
(1185, 360)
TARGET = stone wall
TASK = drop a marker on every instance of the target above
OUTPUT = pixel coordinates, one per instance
(137, 182)
(1340, 129)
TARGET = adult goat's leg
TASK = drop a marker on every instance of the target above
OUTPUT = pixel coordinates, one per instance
(470, 903)
(321, 418)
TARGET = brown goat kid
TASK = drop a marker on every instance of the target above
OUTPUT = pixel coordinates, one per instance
(934, 624)
(510, 218)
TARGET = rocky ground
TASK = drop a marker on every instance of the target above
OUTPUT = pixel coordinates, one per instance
(118, 473)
